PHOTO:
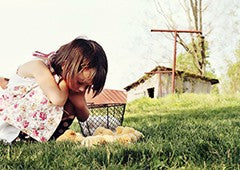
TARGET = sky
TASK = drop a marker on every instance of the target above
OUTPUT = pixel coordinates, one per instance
(122, 27)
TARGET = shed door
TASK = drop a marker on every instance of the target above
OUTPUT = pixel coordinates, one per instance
(151, 92)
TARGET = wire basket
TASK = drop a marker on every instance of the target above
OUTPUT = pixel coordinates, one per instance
(103, 115)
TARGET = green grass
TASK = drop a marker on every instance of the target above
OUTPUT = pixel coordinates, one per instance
(181, 132)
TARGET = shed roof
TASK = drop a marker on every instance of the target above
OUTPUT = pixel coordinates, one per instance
(107, 96)
(177, 72)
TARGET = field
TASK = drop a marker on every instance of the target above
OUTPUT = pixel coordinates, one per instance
(186, 131)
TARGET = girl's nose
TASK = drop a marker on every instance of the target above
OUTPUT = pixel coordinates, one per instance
(81, 88)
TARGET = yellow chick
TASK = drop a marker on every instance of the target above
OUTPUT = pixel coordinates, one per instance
(123, 138)
(70, 135)
(119, 130)
(79, 137)
(127, 130)
(133, 137)
(126, 135)
(123, 135)
(138, 134)
(109, 138)
(102, 131)
(91, 141)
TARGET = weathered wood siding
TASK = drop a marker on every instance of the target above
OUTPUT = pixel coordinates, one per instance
(161, 85)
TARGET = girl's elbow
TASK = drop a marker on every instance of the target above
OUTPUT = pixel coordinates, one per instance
(59, 102)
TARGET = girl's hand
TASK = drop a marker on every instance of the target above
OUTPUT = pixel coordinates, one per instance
(80, 105)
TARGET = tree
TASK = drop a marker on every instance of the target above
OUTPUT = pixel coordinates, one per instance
(196, 49)
(186, 63)
(233, 73)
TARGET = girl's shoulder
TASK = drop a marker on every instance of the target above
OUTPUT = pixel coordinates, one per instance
(19, 79)
(24, 73)
(44, 60)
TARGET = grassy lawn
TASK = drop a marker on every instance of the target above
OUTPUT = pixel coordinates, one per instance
(183, 131)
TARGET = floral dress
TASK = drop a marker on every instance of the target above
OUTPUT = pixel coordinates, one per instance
(25, 108)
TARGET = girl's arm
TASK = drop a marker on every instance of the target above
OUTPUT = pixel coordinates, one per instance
(56, 93)
(80, 105)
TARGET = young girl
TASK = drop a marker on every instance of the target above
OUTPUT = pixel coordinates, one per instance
(44, 96)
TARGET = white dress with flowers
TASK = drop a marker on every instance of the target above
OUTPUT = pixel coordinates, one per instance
(24, 107)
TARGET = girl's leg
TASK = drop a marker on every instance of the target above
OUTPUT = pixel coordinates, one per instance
(67, 119)
(69, 111)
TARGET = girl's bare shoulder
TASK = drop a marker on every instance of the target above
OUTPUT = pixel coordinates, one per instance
(29, 69)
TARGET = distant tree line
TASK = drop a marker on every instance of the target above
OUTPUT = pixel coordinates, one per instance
(231, 82)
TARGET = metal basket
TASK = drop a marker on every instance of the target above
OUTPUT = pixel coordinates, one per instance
(103, 115)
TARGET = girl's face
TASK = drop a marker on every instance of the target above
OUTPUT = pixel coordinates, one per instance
(82, 80)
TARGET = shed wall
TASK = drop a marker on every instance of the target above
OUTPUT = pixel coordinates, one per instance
(141, 90)
(183, 85)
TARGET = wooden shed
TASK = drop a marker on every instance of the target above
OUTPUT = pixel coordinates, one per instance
(158, 83)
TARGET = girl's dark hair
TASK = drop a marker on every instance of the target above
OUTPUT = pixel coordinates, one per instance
(80, 53)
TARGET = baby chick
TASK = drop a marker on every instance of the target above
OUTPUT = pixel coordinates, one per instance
(70, 135)
(102, 131)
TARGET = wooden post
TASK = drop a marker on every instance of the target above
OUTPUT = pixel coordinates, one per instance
(174, 62)
(160, 84)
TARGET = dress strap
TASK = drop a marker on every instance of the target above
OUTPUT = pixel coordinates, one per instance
(43, 55)
(46, 59)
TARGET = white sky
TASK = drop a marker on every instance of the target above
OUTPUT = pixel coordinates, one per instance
(122, 27)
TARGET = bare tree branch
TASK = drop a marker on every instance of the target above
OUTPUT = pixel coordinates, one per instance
(187, 11)
(194, 13)
(200, 15)
(193, 10)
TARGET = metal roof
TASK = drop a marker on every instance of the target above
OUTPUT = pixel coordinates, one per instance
(162, 68)
(107, 96)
